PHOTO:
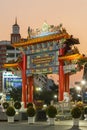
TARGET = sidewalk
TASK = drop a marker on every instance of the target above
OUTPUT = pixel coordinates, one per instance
(82, 123)
(70, 123)
(59, 125)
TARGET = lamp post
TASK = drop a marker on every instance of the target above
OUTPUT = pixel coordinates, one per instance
(78, 89)
(38, 92)
(55, 98)
(83, 85)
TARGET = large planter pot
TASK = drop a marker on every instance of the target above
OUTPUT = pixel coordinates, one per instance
(31, 120)
(51, 121)
(76, 122)
(10, 112)
(10, 119)
(51, 111)
(31, 114)
(76, 114)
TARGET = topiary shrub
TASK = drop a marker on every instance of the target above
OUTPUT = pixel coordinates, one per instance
(80, 105)
(10, 111)
(76, 112)
(5, 105)
(31, 111)
(29, 104)
(51, 111)
(17, 105)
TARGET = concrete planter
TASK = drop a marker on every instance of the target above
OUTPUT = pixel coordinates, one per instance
(76, 122)
(51, 121)
(31, 120)
(10, 119)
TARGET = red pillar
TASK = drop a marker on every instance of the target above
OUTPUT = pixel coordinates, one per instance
(24, 80)
(61, 76)
(67, 82)
(30, 89)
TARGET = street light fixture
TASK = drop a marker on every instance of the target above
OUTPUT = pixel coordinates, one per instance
(55, 96)
(83, 82)
(38, 89)
(78, 88)
(79, 92)
(83, 85)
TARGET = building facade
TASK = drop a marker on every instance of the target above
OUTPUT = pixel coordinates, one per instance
(7, 52)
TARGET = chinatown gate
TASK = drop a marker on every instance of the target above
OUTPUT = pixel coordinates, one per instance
(43, 53)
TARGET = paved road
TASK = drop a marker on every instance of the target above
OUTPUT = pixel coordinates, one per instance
(59, 125)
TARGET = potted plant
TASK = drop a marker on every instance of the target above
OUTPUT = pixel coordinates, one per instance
(30, 104)
(10, 112)
(31, 113)
(17, 106)
(76, 114)
(5, 105)
(85, 112)
(40, 111)
(81, 106)
(51, 112)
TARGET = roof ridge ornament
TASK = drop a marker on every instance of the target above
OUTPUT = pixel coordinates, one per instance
(45, 30)
(45, 27)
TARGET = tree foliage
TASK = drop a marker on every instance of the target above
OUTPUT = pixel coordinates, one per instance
(16, 93)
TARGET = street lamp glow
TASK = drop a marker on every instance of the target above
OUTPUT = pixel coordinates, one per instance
(78, 95)
(55, 96)
(1, 94)
(38, 89)
(83, 82)
(78, 88)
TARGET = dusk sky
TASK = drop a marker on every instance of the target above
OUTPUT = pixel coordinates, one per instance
(71, 13)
